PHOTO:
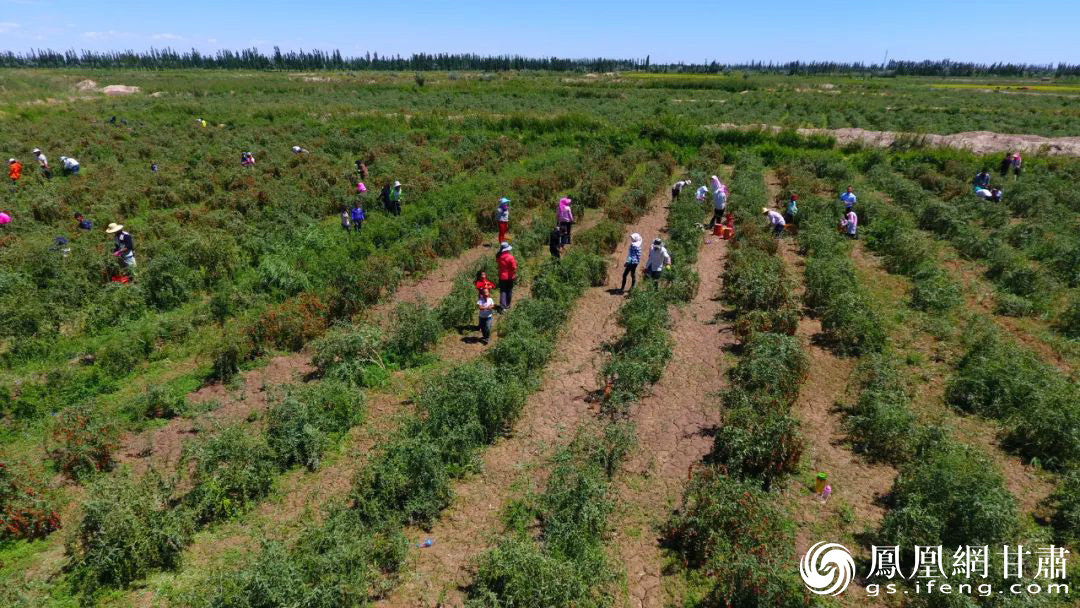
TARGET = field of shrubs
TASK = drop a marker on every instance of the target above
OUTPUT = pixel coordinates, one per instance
(958, 318)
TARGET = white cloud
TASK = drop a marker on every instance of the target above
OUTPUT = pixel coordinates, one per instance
(212, 40)
(7, 26)
(101, 35)
(166, 37)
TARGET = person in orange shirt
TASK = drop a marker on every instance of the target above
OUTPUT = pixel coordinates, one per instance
(14, 171)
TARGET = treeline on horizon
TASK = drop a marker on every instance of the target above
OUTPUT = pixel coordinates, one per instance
(253, 59)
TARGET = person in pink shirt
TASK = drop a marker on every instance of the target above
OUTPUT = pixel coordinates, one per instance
(565, 217)
(850, 222)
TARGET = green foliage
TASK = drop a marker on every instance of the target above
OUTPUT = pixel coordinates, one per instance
(82, 442)
(348, 352)
(1065, 502)
(416, 327)
(298, 427)
(773, 365)
(1069, 321)
(951, 496)
(737, 534)
(160, 402)
(127, 531)
(28, 507)
(759, 439)
(879, 423)
(231, 469)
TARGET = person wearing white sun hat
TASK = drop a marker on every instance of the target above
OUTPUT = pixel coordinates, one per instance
(43, 162)
(123, 244)
(658, 259)
(633, 258)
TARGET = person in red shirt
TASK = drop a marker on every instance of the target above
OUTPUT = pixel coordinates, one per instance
(507, 275)
(482, 282)
(14, 171)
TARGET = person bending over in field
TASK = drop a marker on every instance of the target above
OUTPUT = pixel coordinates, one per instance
(43, 162)
(677, 188)
(659, 258)
(989, 194)
(849, 223)
(83, 223)
(776, 221)
(69, 165)
(247, 159)
(123, 245)
(299, 150)
(982, 179)
(555, 242)
(14, 171)
(702, 193)
(487, 307)
(633, 258)
(720, 196)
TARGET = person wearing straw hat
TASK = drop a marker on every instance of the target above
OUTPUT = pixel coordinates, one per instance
(507, 274)
(395, 198)
(43, 162)
(502, 217)
(123, 244)
(633, 258)
(69, 165)
(565, 217)
(14, 171)
(775, 220)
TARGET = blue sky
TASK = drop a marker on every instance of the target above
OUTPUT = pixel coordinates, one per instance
(1033, 31)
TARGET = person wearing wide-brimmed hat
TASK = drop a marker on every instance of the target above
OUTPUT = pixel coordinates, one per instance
(633, 258)
(123, 244)
(658, 259)
(69, 165)
(43, 162)
(395, 198)
(507, 274)
(502, 217)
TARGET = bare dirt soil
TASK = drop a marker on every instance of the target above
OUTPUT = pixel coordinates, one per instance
(470, 525)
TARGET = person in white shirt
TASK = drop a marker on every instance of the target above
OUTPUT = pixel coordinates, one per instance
(487, 307)
(70, 166)
(299, 150)
(702, 193)
(657, 261)
(720, 195)
(775, 220)
(43, 162)
(677, 188)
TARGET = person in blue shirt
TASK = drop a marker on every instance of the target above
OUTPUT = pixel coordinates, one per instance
(84, 224)
(982, 179)
(848, 198)
(358, 217)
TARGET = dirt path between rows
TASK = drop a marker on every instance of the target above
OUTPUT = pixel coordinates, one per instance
(979, 142)
(856, 482)
(162, 447)
(674, 425)
(471, 523)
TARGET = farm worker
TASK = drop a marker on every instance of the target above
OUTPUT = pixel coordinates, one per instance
(360, 188)
(299, 150)
(43, 162)
(502, 216)
(982, 179)
(153, 167)
(702, 193)
(345, 219)
(84, 224)
(14, 171)
(507, 275)
(1016, 163)
(658, 259)
(1006, 164)
(555, 242)
(123, 244)
(775, 220)
(991, 194)
(395, 199)
(247, 159)
(677, 188)
(850, 222)
(720, 196)
(4, 219)
(358, 216)
(202, 123)
(792, 209)
(487, 307)
(69, 165)
(633, 258)
(482, 282)
(848, 198)
(361, 169)
(565, 217)
(384, 196)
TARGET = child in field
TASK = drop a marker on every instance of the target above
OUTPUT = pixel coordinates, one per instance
(482, 282)
(502, 217)
(487, 307)
(345, 223)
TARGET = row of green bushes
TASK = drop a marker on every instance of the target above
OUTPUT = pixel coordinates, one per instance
(729, 531)
(409, 480)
